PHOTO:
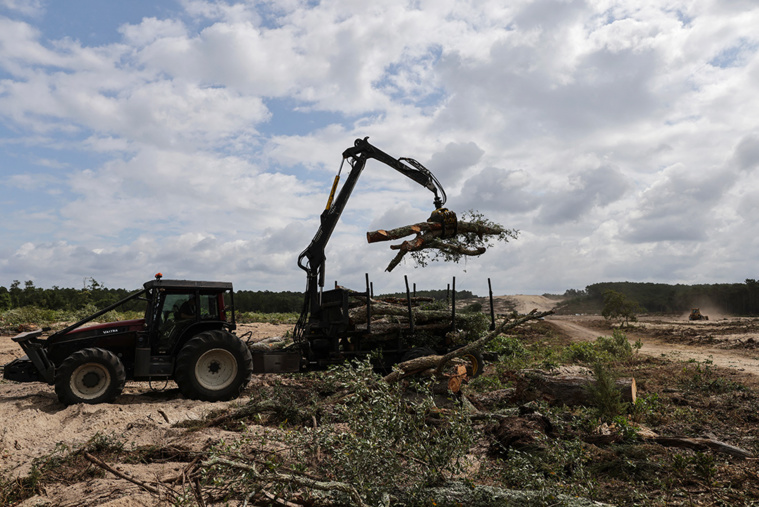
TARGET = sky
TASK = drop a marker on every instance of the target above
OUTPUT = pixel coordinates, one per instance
(200, 139)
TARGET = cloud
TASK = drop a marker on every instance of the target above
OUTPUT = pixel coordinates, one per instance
(588, 189)
(678, 207)
(499, 190)
(451, 163)
(747, 152)
(205, 139)
(32, 8)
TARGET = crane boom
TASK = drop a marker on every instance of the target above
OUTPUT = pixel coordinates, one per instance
(312, 259)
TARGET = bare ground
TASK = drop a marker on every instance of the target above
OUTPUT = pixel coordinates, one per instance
(35, 423)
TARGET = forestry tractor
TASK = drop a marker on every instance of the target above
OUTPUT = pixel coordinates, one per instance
(187, 332)
(185, 335)
(695, 314)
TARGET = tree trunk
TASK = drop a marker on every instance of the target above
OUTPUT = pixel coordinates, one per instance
(567, 389)
(428, 235)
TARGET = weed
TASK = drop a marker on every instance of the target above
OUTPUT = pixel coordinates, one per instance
(702, 377)
(645, 407)
(614, 348)
(605, 393)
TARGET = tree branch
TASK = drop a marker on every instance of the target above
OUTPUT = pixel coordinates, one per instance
(290, 479)
(437, 363)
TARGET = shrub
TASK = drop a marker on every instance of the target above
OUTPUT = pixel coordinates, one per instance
(605, 393)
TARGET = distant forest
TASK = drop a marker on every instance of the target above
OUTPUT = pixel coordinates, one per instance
(731, 298)
(19, 295)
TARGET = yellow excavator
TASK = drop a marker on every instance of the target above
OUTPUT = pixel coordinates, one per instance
(695, 314)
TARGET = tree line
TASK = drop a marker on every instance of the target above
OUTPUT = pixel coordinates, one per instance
(733, 298)
(19, 295)
(93, 293)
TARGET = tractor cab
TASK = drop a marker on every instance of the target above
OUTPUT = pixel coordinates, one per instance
(180, 308)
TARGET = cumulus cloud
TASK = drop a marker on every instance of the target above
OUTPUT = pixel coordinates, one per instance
(633, 122)
(592, 188)
(451, 163)
(747, 152)
(678, 207)
(499, 190)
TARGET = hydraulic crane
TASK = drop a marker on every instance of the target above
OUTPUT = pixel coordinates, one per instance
(324, 318)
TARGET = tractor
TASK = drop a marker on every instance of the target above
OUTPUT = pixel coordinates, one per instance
(185, 336)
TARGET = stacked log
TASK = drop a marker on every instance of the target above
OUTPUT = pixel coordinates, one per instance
(432, 326)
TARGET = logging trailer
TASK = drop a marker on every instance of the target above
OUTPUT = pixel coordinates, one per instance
(188, 335)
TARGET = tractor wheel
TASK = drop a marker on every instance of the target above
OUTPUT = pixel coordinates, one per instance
(213, 366)
(475, 363)
(90, 376)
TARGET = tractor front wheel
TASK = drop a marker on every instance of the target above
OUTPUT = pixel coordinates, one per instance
(91, 376)
(213, 366)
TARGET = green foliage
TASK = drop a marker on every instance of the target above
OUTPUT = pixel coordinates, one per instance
(376, 437)
(645, 408)
(441, 295)
(508, 346)
(620, 308)
(618, 346)
(562, 467)
(475, 307)
(388, 441)
(700, 376)
(511, 352)
(470, 240)
(605, 394)
(28, 315)
(734, 298)
(614, 348)
(268, 301)
(271, 318)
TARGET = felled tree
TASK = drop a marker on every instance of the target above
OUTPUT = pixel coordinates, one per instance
(474, 235)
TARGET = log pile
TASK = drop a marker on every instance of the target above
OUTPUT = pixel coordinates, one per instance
(421, 322)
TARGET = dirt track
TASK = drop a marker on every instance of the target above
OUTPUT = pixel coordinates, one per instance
(581, 328)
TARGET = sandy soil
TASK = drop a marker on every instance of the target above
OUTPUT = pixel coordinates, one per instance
(520, 303)
(728, 343)
(34, 422)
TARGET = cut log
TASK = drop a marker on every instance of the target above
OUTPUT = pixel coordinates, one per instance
(567, 389)
(434, 365)
(468, 239)
(433, 229)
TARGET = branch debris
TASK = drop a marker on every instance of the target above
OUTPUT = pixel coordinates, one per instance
(474, 234)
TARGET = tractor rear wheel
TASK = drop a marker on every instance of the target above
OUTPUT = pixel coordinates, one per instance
(213, 366)
(91, 376)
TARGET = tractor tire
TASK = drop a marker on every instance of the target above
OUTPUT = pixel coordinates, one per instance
(90, 376)
(213, 366)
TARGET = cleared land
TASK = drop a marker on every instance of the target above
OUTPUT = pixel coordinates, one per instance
(720, 352)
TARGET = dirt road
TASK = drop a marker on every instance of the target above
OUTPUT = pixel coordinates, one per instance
(582, 328)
